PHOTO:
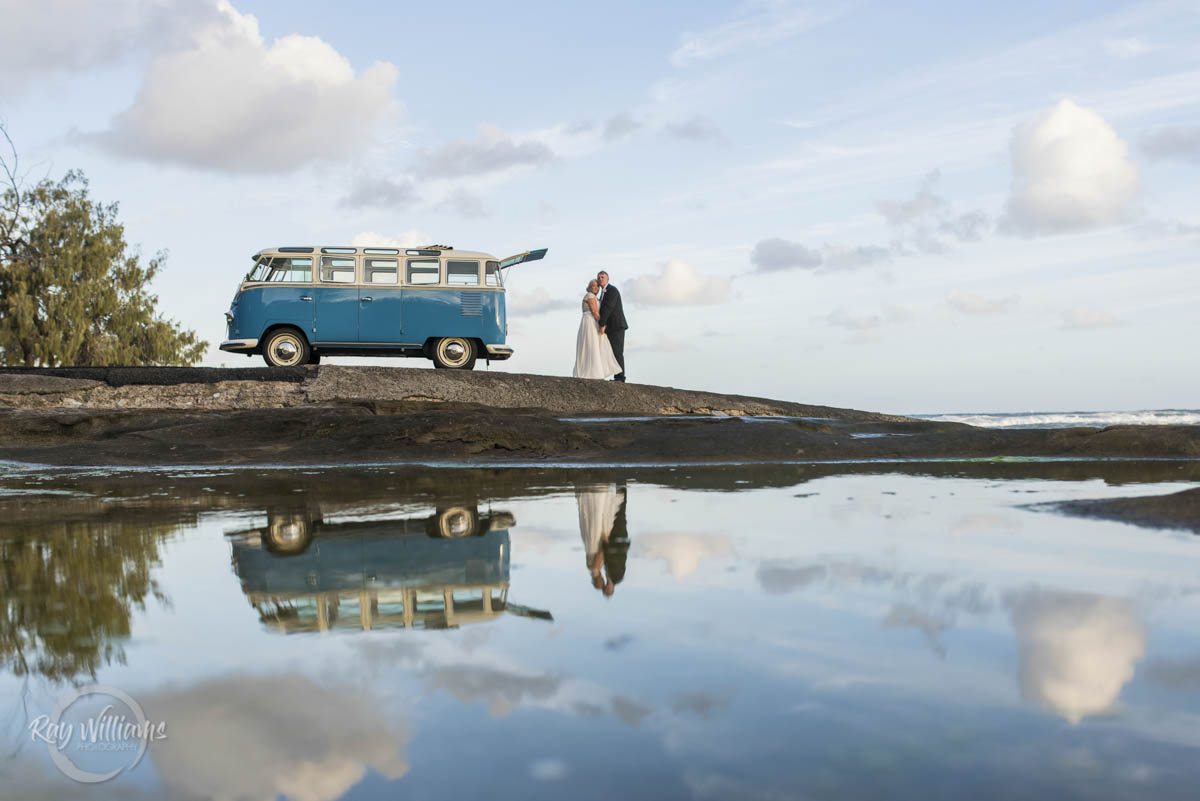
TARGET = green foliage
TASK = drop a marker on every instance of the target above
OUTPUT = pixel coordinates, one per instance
(71, 291)
(68, 591)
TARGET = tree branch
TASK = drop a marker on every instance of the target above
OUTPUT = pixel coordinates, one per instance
(7, 222)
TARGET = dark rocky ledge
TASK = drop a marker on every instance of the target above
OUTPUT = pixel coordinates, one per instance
(1177, 510)
(344, 415)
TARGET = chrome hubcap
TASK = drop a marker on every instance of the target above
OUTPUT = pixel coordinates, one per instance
(289, 534)
(455, 523)
(286, 350)
(453, 352)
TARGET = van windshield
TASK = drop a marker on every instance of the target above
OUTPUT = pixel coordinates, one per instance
(492, 274)
(281, 268)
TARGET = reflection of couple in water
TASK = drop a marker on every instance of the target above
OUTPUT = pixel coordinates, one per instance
(605, 536)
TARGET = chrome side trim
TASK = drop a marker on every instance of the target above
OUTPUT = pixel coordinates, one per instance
(237, 345)
(356, 344)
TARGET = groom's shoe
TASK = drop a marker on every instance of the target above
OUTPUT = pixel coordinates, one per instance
(619, 377)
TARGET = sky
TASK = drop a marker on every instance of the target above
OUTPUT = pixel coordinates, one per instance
(926, 209)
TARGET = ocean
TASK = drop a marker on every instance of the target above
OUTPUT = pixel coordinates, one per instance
(1144, 417)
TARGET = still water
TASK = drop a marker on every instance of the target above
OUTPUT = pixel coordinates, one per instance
(798, 632)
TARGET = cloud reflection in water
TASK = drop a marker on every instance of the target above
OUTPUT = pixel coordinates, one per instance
(1077, 650)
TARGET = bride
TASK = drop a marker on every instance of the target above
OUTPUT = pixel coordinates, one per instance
(593, 353)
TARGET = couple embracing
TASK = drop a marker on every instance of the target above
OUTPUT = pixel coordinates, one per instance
(600, 344)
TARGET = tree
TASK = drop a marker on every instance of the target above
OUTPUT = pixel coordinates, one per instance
(68, 591)
(72, 292)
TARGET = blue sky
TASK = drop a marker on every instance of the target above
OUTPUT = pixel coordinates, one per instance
(910, 210)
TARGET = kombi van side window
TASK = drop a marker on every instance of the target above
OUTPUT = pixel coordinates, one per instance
(337, 269)
(281, 268)
(423, 271)
(462, 273)
(492, 273)
(381, 271)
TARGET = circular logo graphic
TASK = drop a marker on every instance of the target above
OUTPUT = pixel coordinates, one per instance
(118, 734)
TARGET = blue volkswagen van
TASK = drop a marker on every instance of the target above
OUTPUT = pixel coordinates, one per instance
(434, 573)
(435, 302)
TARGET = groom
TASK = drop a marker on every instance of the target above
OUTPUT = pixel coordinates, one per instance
(612, 321)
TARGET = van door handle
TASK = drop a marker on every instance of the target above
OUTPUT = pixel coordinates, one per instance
(367, 299)
(306, 297)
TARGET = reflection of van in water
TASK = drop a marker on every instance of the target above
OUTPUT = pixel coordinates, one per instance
(425, 573)
(298, 303)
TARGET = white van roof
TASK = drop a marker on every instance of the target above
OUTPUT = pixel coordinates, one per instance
(380, 250)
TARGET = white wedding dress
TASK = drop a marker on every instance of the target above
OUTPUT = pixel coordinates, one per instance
(593, 352)
(597, 514)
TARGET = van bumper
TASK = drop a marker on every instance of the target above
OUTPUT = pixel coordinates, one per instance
(239, 345)
(498, 353)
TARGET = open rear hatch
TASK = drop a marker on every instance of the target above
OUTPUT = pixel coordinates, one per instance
(520, 258)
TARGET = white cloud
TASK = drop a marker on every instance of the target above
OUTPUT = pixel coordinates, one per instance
(774, 23)
(841, 257)
(1076, 319)
(1071, 172)
(1180, 142)
(842, 318)
(227, 101)
(678, 284)
(464, 204)
(70, 35)
(968, 227)
(475, 674)
(1076, 650)
(251, 737)
(491, 151)
(932, 626)
(695, 129)
(1168, 228)
(620, 126)
(682, 552)
(401, 193)
(539, 301)
(380, 191)
(661, 344)
(968, 303)
(927, 216)
(780, 254)
(864, 328)
(409, 239)
(924, 203)
(1128, 48)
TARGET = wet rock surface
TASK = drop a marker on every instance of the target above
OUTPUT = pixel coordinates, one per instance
(1178, 510)
(354, 415)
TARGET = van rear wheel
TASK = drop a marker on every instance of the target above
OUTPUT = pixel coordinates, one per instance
(454, 353)
(457, 521)
(286, 347)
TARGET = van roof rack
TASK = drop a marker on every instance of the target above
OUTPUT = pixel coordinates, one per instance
(439, 247)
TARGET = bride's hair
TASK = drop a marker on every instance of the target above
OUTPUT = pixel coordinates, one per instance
(589, 285)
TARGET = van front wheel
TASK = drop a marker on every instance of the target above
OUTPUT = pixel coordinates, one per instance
(454, 353)
(286, 347)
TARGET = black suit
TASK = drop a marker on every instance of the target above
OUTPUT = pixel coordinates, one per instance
(616, 546)
(612, 320)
